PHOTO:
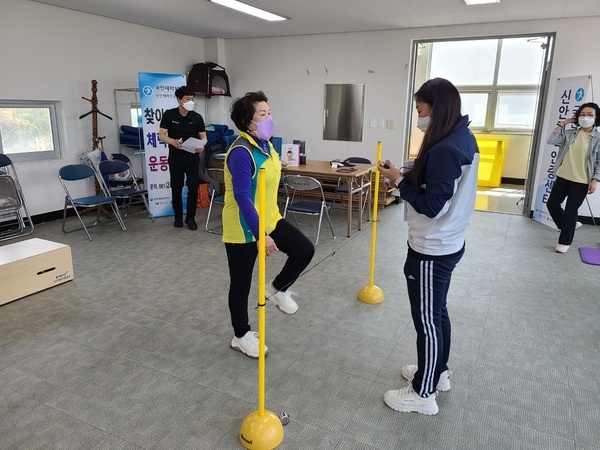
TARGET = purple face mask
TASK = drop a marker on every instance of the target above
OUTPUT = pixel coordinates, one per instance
(264, 129)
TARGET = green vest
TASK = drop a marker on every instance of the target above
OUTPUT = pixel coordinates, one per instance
(235, 227)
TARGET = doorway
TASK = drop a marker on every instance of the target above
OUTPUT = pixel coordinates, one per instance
(503, 82)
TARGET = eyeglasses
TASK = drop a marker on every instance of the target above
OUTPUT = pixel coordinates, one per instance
(592, 115)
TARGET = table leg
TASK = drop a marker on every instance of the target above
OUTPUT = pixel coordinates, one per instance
(370, 197)
(360, 202)
(349, 201)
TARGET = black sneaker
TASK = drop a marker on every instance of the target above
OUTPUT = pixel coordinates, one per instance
(178, 223)
(191, 223)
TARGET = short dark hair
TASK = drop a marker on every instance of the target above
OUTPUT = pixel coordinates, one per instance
(242, 109)
(592, 105)
(182, 91)
(444, 99)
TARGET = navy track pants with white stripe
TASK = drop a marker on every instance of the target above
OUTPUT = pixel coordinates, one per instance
(428, 282)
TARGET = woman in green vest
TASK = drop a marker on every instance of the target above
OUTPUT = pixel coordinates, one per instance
(250, 152)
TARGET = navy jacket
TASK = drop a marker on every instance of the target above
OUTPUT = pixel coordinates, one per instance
(440, 212)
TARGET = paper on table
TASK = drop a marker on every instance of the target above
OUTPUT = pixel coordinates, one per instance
(191, 144)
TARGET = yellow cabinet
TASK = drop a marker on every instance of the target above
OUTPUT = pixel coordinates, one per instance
(491, 161)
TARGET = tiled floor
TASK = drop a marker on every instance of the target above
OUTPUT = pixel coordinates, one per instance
(134, 352)
(506, 198)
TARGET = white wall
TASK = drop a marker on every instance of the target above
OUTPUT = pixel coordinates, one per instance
(293, 74)
(54, 53)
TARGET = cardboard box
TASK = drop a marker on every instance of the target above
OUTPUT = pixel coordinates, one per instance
(31, 266)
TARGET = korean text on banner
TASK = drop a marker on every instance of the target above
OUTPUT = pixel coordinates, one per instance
(570, 93)
(157, 94)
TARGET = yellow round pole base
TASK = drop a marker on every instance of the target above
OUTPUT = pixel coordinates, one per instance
(261, 432)
(370, 294)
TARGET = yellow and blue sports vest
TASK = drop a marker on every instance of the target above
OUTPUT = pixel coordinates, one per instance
(235, 228)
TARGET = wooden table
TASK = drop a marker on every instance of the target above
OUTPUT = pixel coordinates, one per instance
(357, 181)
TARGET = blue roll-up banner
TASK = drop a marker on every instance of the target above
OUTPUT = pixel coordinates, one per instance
(570, 93)
(157, 94)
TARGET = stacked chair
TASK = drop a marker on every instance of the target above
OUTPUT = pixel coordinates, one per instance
(15, 220)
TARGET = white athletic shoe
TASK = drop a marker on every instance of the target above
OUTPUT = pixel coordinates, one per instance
(408, 373)
(247, 344)
(283, 300)
(560, 248)
(407, 400)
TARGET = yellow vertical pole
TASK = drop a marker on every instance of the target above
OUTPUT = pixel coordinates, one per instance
(261, 429)
(371, 293)
(262, 260)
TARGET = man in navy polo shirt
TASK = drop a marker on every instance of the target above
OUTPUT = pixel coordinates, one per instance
(176, 126)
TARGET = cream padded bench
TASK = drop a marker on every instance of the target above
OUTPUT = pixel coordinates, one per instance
(31, 266)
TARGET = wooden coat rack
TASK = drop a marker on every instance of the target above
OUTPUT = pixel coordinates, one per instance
(95, 138)
(94, 112)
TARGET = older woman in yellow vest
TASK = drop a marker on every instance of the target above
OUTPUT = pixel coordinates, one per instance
(250, 152)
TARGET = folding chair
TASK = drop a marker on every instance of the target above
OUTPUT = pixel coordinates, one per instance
(15, 219)
(108, 169)
(217, 179)
(76, 174)
(301, 185)
(342, 187)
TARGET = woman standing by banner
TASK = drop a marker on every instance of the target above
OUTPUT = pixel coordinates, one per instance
(577, 170)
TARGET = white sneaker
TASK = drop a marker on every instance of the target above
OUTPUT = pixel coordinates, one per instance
(560, 248)
(408, 373)
(283, 300)
(247, 344)
(407, 400)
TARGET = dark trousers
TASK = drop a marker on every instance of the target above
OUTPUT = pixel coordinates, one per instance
(566, 219)
(184, 166)
(428, 282)
(241, 259)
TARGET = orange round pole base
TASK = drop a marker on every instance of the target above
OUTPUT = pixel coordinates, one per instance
(261, 432)
(370, 294)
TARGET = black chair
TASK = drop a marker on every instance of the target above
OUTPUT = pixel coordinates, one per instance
(217, 179)
(342, 187)
(299, 185)
(15, 219)
(78, 174)
(108, 170)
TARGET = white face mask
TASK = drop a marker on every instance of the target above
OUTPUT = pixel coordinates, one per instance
(188, 105)
(586, 122)
(423, 123)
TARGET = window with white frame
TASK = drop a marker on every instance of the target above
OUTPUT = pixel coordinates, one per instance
(29, 129)
(498, 79)
(135, 112)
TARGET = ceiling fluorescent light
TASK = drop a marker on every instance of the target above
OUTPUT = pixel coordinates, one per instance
(245, 8)
(480, 2)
